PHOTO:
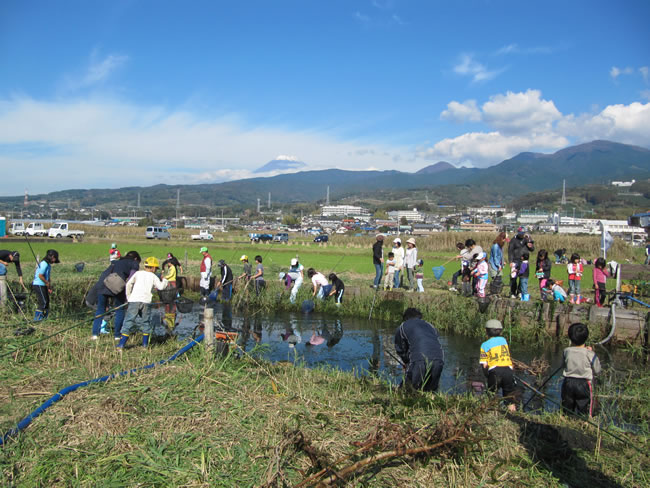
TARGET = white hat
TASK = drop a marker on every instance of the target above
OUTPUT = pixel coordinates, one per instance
(294, 261)
(411, 241)
(397, 240)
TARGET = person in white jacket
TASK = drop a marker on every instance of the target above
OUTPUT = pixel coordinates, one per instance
(398, 251)
(410, 262)
(206, 272)
(138, 294)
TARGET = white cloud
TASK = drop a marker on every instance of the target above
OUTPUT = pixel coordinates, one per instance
(97, 71)
(524, 121)
(108, 143)
(515, 113)
(468, 66)
(516, 49)
(616, 72)
(461, 112)
(283, 157)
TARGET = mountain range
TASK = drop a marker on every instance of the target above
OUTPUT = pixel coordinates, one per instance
(593, 162)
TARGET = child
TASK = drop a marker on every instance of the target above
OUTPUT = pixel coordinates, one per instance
(580, 365)
(42, 286)
(390, 272)
(338, 288)
(464, 262)
(523, 272)
(419, 275)
(600, 276)
(320, 287)
(574, 268)
(497, 364)
(258, 277)
(138, 294)
(481, 274)
(556, 290)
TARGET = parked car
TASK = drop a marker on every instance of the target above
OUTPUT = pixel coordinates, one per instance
(321, 238)
(260, 237)
(62, 229)
(157, 233)
(36, 229)
(203, 235)
(281, 237)
(17, 228)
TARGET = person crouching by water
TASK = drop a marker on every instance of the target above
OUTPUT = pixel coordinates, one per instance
(138, 294)
(42, 286)
(337, 290)
(497, 364)
(320, 287)
(418, 345)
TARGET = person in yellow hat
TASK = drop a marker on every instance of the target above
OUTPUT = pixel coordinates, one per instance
(248, 269)
(138, 294)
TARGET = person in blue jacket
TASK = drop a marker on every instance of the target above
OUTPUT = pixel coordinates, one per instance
(42, 286)
(418, 345)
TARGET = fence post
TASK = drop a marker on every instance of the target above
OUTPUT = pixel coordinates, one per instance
(185, 258)
(208, 321)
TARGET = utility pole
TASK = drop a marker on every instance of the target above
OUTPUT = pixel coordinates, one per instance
(269, 204)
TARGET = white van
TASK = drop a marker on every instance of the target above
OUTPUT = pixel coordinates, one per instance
(157, 233)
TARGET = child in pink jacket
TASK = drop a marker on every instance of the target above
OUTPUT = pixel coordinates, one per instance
(600, 276)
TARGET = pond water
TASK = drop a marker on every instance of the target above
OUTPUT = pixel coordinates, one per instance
(365, 347)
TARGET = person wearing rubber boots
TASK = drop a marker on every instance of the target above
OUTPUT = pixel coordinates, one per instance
(138, 294)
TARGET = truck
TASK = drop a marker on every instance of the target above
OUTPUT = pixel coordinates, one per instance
(17, 229)
(36, 229)
(62, 229)
(203, 235)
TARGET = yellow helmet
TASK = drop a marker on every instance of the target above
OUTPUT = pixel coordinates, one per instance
(151, 262)
(243, 257)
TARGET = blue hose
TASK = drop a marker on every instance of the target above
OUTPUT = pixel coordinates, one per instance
(24, 423)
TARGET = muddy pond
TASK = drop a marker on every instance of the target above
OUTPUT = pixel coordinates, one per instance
(366, 348)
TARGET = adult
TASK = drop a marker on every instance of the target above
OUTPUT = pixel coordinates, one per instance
(410, 262)
(42, 286)
(518, 245)
(398, 252)
(225, 283)
(206, 272)
(418, 345)
(114, 253)
(320, 286)
(496, 256)
(378, 259)
(258, 277)
(647, 254)
(124, 267)
(6, 258)
(297, 273)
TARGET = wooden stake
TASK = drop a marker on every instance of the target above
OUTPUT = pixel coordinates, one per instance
(208, 321)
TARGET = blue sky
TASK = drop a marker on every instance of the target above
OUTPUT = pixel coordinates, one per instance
(121, 93)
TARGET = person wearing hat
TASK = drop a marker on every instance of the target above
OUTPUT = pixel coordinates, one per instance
(206, 272)
(124, 267)
(42, 286)
(480, 272)
(225, 284)
(411, 262)
(6, 258)
(378, 259)
(138, 293)
(518, 245)
(297, 273)
(114, 253)
(497, 364)
(248, 269)
(398, 252)
(418, 345)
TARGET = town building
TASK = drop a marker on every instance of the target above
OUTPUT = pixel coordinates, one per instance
(345, 211)
(409, 215)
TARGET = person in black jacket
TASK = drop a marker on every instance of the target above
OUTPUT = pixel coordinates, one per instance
(124, 267)
(225, 284)
(518, 245)
(378, 259)
(6, 258)
(417, 343)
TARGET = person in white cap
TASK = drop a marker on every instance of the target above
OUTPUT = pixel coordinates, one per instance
(206, 272)
(297, 272)
(410, 262)
(398, 251)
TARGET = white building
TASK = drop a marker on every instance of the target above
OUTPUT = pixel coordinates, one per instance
(345, 211)
(533, 218)
(409, 215)
(489, 210)
(623, 184)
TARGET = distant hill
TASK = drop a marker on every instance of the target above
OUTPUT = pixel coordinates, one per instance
(591, 163)
(436, 168)
(281, 163)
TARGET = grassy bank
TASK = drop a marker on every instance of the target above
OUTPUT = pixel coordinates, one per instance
(202, 421)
